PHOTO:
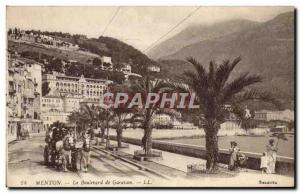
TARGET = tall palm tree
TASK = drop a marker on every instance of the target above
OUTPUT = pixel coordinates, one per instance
(213, 91)
(121, 113)
(146, 115)
(121, 117)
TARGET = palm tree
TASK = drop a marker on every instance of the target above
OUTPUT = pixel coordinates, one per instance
(121, 117)
(213, 91)
(145, 115)
(121, 113)
(80, 119)
(98, 115)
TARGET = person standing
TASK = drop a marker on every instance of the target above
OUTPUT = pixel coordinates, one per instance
(19, 129)
(271, 148)
(86, 151)
(234, 150)
(264, 163)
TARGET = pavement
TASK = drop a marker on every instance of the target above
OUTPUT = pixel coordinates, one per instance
(25, 168)
(246, 177)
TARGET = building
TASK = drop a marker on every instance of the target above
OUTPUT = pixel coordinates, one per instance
(126, 68)
(154, 68)
(23, 94)
(162, 119)
(67, 94)
(54, 116)
(267, 115)
(38, 38)
(106, 63)
(79, 87)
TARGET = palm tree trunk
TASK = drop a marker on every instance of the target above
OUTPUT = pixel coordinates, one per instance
(211, 144)
(102, 134)
(107, 135)
(119, 136)
(147, 142)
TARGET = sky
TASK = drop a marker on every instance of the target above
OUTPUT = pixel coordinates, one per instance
(137, 26)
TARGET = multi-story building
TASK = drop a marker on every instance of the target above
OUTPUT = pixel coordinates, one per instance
(23, 94)
(67, 94)
(80, 87)
(266, 115)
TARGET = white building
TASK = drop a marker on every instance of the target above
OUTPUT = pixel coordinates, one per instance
(266, 115)
(80, 87)
(126, 68)
(54, 116)
(162, 119)
(23, 94)
(67, 94)
(154, 68)
(106, 63)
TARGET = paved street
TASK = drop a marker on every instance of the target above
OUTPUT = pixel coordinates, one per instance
(26, 168)
(25, 158)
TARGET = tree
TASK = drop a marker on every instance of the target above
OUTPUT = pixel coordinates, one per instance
(145, 115)
(45, 88)
(213, 92)
(97, 62)
(121, 112)
(81, 119)
(99, 116)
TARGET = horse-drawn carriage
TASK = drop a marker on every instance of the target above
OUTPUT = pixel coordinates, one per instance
(65, 151)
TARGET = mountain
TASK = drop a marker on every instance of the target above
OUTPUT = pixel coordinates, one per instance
(197, 33)
(266, 49)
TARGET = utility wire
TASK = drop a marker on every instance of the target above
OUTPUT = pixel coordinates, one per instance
(111, 20)
(180, 22)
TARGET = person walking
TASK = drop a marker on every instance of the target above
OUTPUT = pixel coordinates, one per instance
(271, 148)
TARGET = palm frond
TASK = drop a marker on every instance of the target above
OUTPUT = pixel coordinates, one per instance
(224, 70)
(199, 67)
(255, 94)
(211, 73)
(238, 85)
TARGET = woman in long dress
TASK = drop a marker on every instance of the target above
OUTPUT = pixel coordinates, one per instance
(272, 155)
(234, 150)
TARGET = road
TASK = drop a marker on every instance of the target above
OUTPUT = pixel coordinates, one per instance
(25, 163)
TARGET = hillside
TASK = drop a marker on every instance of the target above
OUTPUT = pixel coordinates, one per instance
(197, 33)
(267, 49)
(89, 49)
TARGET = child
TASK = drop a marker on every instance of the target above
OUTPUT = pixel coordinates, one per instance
(264, 163)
